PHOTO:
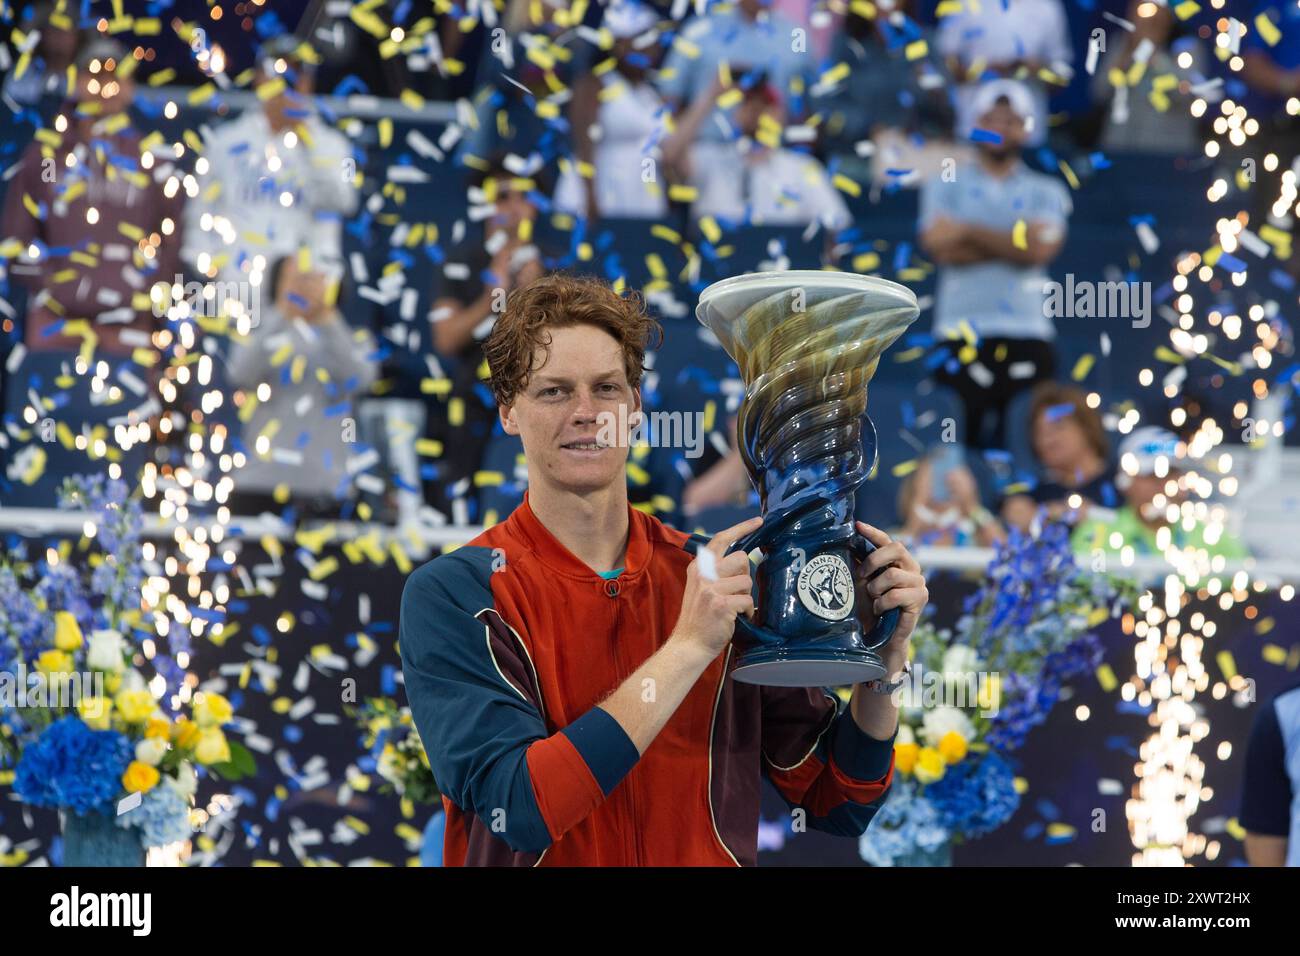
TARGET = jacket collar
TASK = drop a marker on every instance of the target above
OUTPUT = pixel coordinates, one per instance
(527, 526)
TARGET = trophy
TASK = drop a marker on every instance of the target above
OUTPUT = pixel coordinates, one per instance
(807, 344)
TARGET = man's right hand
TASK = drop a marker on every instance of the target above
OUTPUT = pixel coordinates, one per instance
(709, 607)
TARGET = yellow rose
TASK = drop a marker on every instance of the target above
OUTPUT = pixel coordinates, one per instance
(135, 706)
(158, 726)
(185, 733)
(929, 765)
(67, 633)
(140, 777)
(54, 662)
(905, 757)
(112, 683)
(212, 710)
(952, 747)
(95, 712)
(211, 747)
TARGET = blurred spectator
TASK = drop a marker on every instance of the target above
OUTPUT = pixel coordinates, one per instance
(816, 17)
(1021, 39)
(1147, 111)
(272, 180)
(48, 49)
(749, 40)
(1149, 479)
(753, 179)
(992, 229)
(304, 364)
(885, 88)
(1270, 792)
(940, 504)
(618, 119)
(725, 482)
(526, 75)
(479, 272)
(1073, 456)
(1271, 72)
(92, 223)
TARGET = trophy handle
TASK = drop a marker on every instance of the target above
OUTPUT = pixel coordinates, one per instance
(885, 626)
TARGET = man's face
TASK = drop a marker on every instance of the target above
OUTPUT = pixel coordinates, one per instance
(298, 86)
(1060, 440)
(1148, 495)
(574, 399)
(1008, 124)
(752, 109)
(512, 207)
(101, 83)
(301, 293)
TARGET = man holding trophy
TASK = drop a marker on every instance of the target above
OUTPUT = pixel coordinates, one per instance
(593, 687)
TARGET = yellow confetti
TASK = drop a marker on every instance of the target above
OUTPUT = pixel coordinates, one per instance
(201, 94)
(1274, 654)
(682, 193)
(1268, 31)
(324, 569)
(1227, 664)
(845, 184)
(1020, 235)
(1106, 678)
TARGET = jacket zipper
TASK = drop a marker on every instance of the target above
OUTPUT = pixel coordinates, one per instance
(614, 590)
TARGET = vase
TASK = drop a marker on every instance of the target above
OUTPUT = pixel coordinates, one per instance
(95, 839)
(939, 856)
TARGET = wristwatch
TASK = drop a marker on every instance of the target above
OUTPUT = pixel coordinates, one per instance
(888, 687)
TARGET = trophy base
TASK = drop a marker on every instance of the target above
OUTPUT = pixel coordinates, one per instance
(807, 667)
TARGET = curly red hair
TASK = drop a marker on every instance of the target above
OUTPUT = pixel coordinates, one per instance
(559, 301)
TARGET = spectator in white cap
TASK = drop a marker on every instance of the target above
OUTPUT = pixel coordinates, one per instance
(993, 225)
(1158, 513)
(1028, 40)
(619, 119)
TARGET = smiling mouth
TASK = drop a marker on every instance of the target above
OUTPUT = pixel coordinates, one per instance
(584, 446)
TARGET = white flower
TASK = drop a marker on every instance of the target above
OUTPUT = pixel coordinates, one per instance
(389, 765)
(132, 679)
(905, 735)
(151, 750)
(960, 659)
(105, 652)
(185, 782)
(941, 720)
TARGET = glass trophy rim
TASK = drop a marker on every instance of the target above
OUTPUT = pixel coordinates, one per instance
(709, 303)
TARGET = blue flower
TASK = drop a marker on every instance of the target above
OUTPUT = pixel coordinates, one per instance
(74, 767)
(907, 822)
(975, 797)
(162, 817)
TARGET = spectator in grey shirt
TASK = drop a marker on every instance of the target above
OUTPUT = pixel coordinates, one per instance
(993, 228)
(303, 364)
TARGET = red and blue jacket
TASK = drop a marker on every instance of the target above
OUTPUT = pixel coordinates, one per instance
(509, 644)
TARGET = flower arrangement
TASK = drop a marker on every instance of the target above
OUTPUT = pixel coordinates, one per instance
(395, 753)
(976, 691)
(81, 727)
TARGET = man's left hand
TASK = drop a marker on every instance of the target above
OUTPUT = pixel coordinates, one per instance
(900, 585)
